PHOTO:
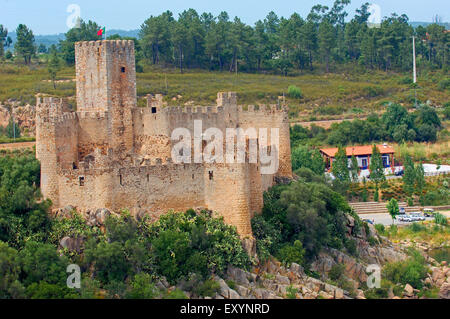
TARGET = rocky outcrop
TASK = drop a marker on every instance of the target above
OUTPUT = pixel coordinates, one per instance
(24, 115)
(72, 244)
(444, 292)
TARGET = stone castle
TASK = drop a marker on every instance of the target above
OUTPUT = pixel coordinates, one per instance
(112, 154)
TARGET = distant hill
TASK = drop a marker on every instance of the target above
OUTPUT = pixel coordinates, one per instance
(415, 24)
(48, 40)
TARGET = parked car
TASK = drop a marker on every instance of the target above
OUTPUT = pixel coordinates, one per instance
(368, 221)
(402, 211)
(428, 212)
(416, 216)
(405, 219)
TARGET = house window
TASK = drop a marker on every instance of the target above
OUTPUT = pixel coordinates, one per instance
(81, 180)
(211, 175)
(364, 163)
(122, 69)
(385, 161)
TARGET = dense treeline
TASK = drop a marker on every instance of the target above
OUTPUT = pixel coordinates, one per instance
(274, 44)
(395, 125)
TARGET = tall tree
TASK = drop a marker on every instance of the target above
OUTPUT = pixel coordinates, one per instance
(393, 209)
(155, 37)
(376, 167)
(24, 45)
(327, 41)
(54, 64)
(86, 32)
(354, 169)
(420, 178)
(309, 40)
(340, 168)
(409, 176)
(3, 37)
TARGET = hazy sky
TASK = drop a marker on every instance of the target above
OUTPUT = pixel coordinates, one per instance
(50, 16)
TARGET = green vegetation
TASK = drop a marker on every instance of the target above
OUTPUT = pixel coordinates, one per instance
(431, 233)
(123, 261)
(294, 92)
(411, 271)
(393, 209)
(423, 125)
(308, 211)
(302, 156)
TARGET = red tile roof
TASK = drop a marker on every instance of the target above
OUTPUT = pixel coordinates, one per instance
(359, 150)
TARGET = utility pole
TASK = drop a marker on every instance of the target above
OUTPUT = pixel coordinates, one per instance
(414, 71)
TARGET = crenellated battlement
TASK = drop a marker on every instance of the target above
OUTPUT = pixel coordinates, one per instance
(51, 106)
(108, 44)
(272, 108)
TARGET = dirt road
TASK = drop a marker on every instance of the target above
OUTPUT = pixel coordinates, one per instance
(16, 146)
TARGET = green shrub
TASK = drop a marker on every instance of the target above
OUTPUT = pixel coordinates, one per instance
(440, 219)
(336, 272)
(292, 253)
(184, 243)
(175, 294)
(208, 288)
(372, 241)
(142, 287)
(373, 91)
(294, 92)
(411, 271)
(380, 229)
(291, 292)
(417, 227)
(231, 284)
(444, 84)
(350, 245)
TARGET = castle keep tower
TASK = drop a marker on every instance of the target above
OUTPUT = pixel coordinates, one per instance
(106, 82)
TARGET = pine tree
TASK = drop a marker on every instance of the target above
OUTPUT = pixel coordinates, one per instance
(409, 176)
(3, 37)
(53, 65)
(419, 178)
(327, 41)
(376, 167)
(24, 45)
(354, 169)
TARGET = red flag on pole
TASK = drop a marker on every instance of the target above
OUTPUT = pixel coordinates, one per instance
(101, 32)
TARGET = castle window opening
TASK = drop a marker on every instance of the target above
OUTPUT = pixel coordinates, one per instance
(121, 180)
(81, 180)
(122, 69)
(153, 109)
(211, 175)
(148, 178)
(74, 166)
